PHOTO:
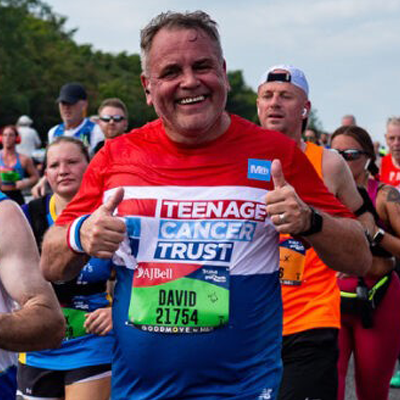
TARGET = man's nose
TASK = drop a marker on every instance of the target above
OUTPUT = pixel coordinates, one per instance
(189, 78)
(275, 100)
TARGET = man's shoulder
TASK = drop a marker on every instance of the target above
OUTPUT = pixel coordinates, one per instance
(387, 161)
(150, 131)
(332, 155)
(245, 127)
(333, 162)
(52, 130)
(143, 136)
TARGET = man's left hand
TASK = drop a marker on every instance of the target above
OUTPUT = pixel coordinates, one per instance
(286, 210)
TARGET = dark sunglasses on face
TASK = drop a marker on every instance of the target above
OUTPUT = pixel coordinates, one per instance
(351, 154)
(115, 118)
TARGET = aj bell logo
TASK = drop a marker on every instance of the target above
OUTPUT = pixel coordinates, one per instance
(259, 169)
(154, 273)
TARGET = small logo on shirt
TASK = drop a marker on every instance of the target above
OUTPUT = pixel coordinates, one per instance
(266, 394)
(259, 169)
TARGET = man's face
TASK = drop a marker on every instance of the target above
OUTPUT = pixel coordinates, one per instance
(324, 138)
(186, 83)
(310, 136)
(393, 140)
(112, 121)
(72, 114)
(280, 107)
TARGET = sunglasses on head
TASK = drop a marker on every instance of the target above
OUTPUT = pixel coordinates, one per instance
(351, 154)
(115, 118)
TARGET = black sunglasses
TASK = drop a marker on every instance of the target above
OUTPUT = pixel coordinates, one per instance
(351, 154)
(115, 118)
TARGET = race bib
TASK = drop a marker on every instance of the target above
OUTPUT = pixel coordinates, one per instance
(292, 258)
(74, 320)
(179, 298)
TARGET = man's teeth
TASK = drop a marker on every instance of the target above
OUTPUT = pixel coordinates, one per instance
(189, 100)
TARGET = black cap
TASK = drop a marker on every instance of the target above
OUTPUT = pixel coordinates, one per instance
(71, 93)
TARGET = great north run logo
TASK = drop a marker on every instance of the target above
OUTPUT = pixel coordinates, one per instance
(259, 169)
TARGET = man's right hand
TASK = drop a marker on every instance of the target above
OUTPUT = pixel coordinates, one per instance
(102, 233)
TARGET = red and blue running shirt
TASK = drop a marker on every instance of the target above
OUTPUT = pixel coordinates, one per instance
(197, 310)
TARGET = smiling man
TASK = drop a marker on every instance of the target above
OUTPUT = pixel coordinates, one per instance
(189, 207)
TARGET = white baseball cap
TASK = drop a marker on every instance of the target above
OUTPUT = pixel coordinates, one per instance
(293, 75)
(24, 120)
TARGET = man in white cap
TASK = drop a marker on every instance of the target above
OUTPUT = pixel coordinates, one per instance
(30, 140)
(311, 298)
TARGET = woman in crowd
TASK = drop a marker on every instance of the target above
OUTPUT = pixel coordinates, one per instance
(17, 171)
(370, 305)
(81, 367)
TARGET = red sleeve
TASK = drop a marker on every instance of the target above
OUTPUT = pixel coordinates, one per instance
(300, 173)
(90, 194)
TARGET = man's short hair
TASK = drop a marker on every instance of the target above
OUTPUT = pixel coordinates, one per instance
(198, 20)
(393, 121)
(113, 102)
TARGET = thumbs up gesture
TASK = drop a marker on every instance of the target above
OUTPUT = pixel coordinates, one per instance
(286, 210)
(102, 232)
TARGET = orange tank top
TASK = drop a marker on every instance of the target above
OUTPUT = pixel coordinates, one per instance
(311, 297)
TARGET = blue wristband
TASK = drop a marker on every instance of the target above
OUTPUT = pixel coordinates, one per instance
(74, 235)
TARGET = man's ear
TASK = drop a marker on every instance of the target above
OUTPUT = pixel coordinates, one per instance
(227, 84)
(306, 110)
(146, 87)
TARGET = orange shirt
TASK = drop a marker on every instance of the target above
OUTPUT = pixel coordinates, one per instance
(311, 299)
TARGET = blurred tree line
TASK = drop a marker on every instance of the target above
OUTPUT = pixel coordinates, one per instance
(38, 55)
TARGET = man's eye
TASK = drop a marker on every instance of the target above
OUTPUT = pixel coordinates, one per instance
(202, 66)
(169, 73)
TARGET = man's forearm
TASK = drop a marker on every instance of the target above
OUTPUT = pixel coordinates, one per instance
(342, 245)
(58, 261)
(38, 325)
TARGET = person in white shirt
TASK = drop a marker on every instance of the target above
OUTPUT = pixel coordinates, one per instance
(30, 140)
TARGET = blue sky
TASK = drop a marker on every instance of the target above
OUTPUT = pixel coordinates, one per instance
(348, 49)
